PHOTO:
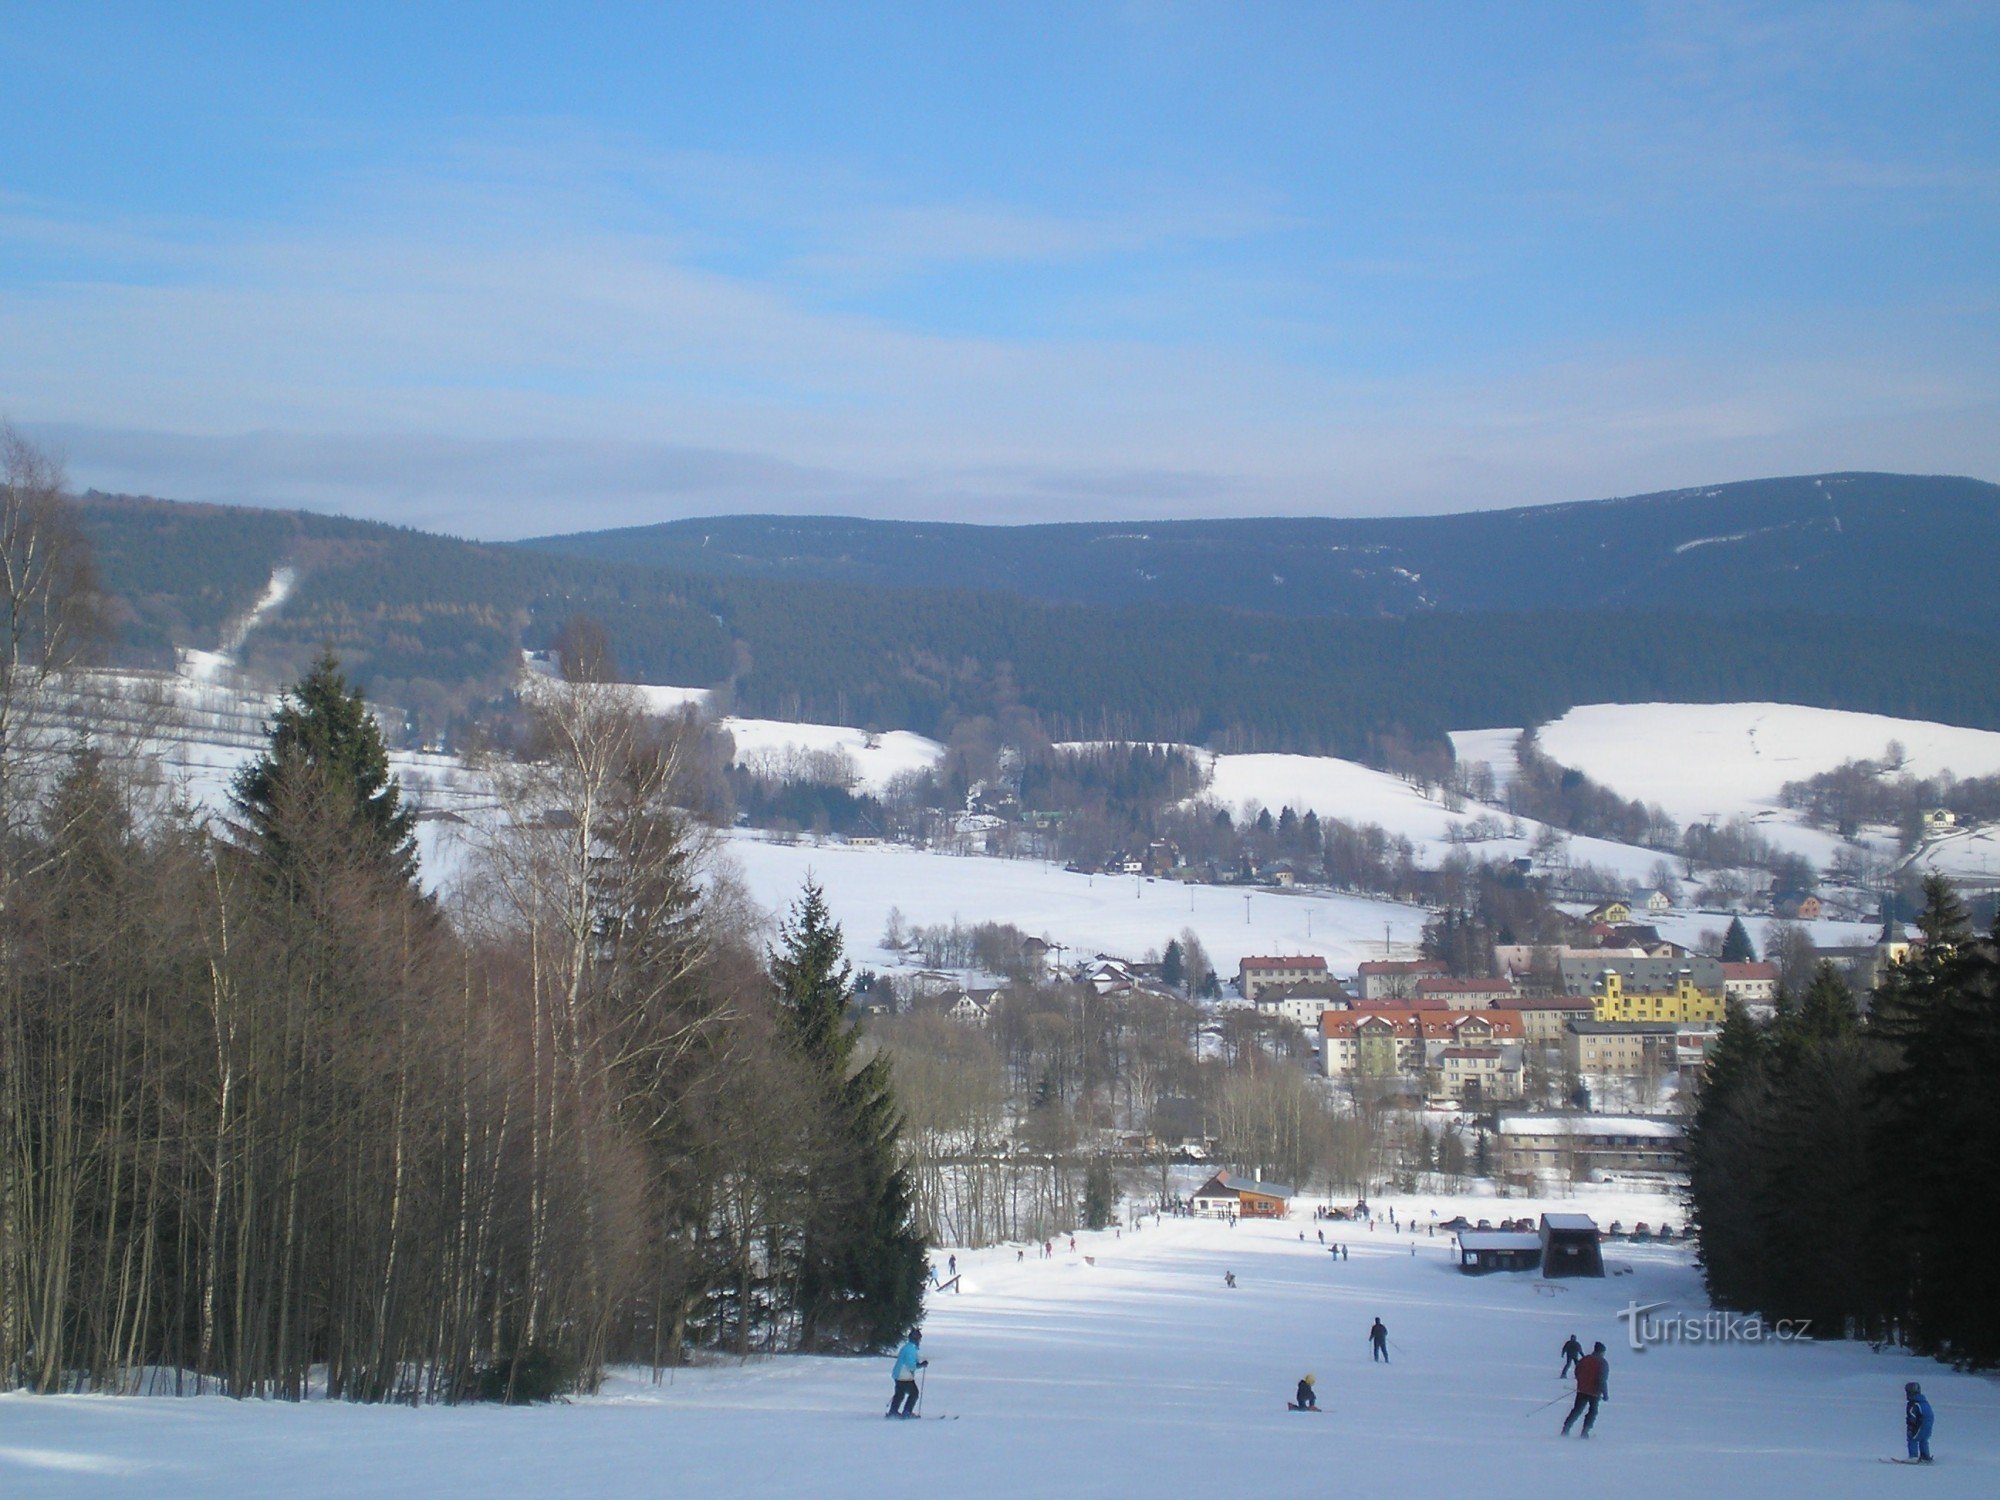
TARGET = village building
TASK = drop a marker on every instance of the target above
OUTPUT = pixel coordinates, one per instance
(1225, 1194)
(1466, 994)
(1484, 1250)
(1304, 1002)
(1571, 1246)
(1406, 1041)
(1395, 979)
(1684, 1001)
(1624, 1049)
(972, 1007)
(1255, 974)
(1582, 967)
(1754, 986)
(1610, 913)
(1473, 1076)
(1584, 1147)
(1795, 906)
(1545, 1018)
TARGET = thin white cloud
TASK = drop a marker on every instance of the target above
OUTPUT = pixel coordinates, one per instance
(543, 334)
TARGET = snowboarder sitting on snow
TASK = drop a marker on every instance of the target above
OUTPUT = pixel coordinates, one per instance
(1378, 1339)
(1917, 1420)
(1572, 1352)
(1306, 1400)
(904, 1402)
(1593, 1384)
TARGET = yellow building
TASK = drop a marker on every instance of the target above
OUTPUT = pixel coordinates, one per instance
(1611, 1001)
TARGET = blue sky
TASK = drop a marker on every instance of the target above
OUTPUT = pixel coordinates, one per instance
(514, 269)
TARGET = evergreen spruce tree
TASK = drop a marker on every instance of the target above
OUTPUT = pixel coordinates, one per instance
(1736, 945)
(1172, 970)
(861, 1259)
(1100, 1194)
(326, 748)
(1820, 1237)
(1937, 1143)
(1725, 1162)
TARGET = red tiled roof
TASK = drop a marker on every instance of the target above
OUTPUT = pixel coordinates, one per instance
(1401, 966)
(1414, 1021)
(1463, 987)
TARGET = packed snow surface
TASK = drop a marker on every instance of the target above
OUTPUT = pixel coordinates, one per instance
(1127, 1368)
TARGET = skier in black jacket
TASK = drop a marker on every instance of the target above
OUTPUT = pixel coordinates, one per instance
(1572, 1352)
(1306, 1400)
(1378, 1338)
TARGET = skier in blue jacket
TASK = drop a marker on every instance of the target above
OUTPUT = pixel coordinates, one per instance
(904, 1402)
(1917, 1420)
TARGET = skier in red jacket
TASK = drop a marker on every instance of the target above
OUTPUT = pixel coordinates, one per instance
(1593, 1384)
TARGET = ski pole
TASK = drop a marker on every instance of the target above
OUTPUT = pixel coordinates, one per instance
(1545, 1405)
(921, 1377)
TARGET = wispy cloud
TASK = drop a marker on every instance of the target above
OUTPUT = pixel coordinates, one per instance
(543, 328)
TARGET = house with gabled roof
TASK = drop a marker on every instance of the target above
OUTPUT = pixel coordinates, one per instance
(1225, 1194)
(1258, 972)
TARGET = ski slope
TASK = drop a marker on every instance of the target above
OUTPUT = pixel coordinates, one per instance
(1124, 1369)
(1123, 915)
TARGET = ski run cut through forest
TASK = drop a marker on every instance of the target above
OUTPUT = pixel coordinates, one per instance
(1127, 1367)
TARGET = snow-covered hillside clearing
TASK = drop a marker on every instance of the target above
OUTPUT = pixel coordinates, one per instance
(1710, 762)
(1126, 1368)
(1123, 915)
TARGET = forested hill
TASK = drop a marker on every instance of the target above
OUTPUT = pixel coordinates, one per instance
(1884, 545)
(435, 625)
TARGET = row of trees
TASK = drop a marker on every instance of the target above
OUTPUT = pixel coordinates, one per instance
(1842, 1165)
(268, 1108)
(272, 1114)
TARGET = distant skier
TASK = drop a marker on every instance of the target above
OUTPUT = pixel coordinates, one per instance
(1229, 1278)
(1378, 1339)
(1343, 1252)
(904, 1402)
(1322, 1236)
(1593, 1384)
(1917, 1421)
(1572, 1352)
(953, 1264)
(1305, 1400)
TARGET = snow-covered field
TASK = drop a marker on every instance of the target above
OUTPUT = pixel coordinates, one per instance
(1119, 914)
(775, 747)
(1709, 762)
(1125, 1369)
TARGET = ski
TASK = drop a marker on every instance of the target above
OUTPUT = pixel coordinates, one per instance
(1294, 1406)
(1915, 1463)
